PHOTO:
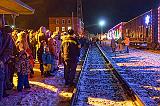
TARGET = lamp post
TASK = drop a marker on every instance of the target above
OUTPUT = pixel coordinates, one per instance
(101, 24)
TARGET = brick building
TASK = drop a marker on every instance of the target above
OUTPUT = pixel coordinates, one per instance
(67, 16)
(62, 24)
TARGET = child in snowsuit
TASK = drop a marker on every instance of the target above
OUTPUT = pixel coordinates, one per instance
(47, 59)
(23, 68)
(53, 50)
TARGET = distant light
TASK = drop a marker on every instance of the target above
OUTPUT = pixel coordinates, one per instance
(147, 19)
(12, 26)
(102, 23)
(69, 28)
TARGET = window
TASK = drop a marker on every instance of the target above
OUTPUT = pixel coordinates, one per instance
(63, 21)
(69, 21)
(57, 21)
(69, 27)
(57, 29)
(63, 28)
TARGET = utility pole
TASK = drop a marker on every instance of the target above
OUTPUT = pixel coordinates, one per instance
(80, 23)
(79, 10)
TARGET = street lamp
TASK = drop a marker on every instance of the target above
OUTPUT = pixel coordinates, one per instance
(101, 24)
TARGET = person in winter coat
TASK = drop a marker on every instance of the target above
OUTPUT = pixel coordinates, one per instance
(53, 50)
(59, 42)
(127, 42)
(33, 43)
(2, 76)
(70, 50)
(6, 52)
(120, 46)
(22, 44)
(39, 55)
(42, 34)
(23, 68)
(47, 58)
(113, 44)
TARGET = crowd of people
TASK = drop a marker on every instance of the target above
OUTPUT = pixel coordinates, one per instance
(20, 50)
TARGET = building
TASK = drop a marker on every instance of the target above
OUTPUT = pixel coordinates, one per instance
(67, 16)
(62, 24)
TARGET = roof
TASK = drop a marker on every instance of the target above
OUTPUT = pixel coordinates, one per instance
(14, 7)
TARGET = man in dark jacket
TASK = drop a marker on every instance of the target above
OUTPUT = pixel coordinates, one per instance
(6, 52)
(70, 49)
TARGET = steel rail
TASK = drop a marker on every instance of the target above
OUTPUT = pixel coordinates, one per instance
(75, 93)
(134, 96)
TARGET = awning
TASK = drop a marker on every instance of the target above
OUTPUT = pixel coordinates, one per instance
(15, 7)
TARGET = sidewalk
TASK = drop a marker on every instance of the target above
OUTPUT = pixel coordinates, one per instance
(141, 70)
(48, 91)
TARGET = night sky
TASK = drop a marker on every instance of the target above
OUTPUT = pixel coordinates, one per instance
(113, 11)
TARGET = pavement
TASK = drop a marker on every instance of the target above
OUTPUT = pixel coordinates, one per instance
(141, 69)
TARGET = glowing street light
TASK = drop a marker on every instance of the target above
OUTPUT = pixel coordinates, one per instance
(101, 24)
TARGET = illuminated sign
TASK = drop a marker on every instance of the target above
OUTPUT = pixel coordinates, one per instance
(147, 19)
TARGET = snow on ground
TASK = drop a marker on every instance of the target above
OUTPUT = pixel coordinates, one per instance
(142, 66)
(48, 91)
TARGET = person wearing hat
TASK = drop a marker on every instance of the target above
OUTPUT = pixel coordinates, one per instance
(70, 51)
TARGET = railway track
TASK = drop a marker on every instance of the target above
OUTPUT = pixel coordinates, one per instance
(98, 85)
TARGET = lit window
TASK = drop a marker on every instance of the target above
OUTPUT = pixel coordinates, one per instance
(63, 21)
(57, 21)
(69, 28)
(63, 28)
(69, 21)
(57, 29)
